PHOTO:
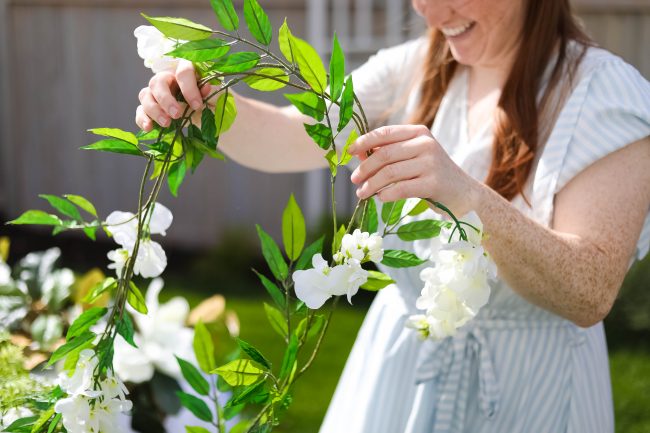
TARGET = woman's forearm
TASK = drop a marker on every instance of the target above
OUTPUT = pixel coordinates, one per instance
(269, 138)
(559, 272)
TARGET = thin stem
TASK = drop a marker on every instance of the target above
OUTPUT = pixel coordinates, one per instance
(220, 424)
(444, 208)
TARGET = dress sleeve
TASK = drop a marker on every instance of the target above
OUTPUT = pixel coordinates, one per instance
(608, 109)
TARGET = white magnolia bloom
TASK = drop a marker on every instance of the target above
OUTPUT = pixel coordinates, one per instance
(151, 260)
(152, 47)
(162, 334)
(361, 246)
(317, 285)
(89, 408)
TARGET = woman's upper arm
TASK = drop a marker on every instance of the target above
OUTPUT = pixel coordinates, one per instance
(604, 206)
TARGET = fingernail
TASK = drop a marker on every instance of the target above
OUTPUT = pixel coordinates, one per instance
(162, 121)
(196, 104)
(352, 148)
(173, 111)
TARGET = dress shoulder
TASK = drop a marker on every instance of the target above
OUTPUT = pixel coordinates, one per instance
(608, 109)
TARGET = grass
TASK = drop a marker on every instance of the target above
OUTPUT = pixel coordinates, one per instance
(630, 368)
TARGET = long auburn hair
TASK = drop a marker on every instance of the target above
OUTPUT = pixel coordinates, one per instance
(549, 25)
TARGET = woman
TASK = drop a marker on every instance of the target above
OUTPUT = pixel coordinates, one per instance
(547, 138)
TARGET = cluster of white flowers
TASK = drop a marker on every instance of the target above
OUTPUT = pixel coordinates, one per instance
(161, 335)
(151, 260)
(317, 285)
(152, 47)
(457, 286)
(90, 407)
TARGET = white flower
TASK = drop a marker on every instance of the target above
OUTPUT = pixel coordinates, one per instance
(361, 246)
(5, 274)
(119, 258)
(12, 414)
(317, 285)
(162, 334)
(81, 381)
(89, 408)
(457, 287)
(151, 260)
(152, 47)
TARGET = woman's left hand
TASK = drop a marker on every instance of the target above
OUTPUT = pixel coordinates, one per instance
(406, 162)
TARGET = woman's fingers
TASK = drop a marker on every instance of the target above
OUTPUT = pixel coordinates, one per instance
(390, 174)
(186, 79)
(386, 135)
(142, 120)
(153, 110)
(387, 155)
(161, 90)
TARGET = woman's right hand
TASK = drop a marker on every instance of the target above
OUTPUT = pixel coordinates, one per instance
(158, 102)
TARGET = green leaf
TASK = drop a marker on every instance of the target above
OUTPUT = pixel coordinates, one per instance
(90, 232)
(293, 229)
(289, 359)
(400, 259)
(54, 423)
(316, 325)
(338, 237)
(194, 377)
(22, 424)
(256, 391)
(285, 41)
(337, 70)
(203, 149)
(345, 156)
(272, 255)
(370, 223)
(208, 128)
(333, 161)
(176, 176)
(180, 28)
(237, 62)
(204, 348)
(114, 145)
(43, 419)
(76, 343)
(125, 329)
(309, 63)
(85, 321)
(201, 51)
(391, 211)
(82, 202)
(377, 281)
(254, 354)
(277, 320)
(240, 372)
(347, 105)
(273, 289)
(196, 429)
(423, 229)
(99, 289)
(419, 208)
(308, 103)
(37, 217)
(195, 405)
(267, 79)
(135, 299)
(321, 134)
(304, 262)
(63, 206)
(258, 22)
(225, 113)
(226, 14)
(127, 136)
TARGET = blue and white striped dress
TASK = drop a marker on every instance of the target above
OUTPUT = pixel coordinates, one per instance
(516, 367)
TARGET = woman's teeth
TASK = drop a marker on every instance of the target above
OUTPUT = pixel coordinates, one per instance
(455, 31)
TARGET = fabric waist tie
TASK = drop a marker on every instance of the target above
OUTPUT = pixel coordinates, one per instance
(449, 362)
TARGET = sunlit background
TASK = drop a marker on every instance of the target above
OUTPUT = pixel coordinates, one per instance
(70, 65)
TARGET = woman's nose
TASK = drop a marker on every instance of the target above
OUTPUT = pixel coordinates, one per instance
(435, 12)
